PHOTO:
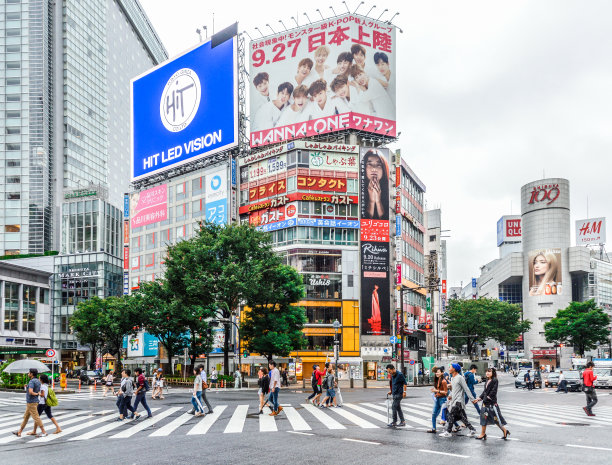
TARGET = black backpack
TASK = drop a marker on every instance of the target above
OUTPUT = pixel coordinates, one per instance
(313, 380)
(325, 383)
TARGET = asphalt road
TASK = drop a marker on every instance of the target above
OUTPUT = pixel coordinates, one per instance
(546, 427)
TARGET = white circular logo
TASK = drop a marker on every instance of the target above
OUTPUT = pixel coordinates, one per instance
(180, 100)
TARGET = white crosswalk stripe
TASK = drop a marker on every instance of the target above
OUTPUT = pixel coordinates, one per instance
(236, 423)
(83, 425)
(204, 424)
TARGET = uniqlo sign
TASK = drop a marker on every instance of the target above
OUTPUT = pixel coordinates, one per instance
(513, 228)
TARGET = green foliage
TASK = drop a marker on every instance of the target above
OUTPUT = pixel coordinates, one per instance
(474, 321)
(273, 325)
(29, 255)
(582, 325)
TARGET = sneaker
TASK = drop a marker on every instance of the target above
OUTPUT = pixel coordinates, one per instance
(119, 419)
(403, 423)
(585, 410)
(445, 434)
(391, 425)
(471, 433)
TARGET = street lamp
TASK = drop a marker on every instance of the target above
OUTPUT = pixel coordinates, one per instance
(337, 326)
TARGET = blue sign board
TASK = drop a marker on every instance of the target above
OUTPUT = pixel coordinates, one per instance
(500, 231)
(398, 225)
(185, 109)
(234, 172)
(276, 226)
(351, 224)
(473, 282)
(126, 206)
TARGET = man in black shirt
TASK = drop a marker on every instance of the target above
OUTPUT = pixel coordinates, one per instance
(398, 391)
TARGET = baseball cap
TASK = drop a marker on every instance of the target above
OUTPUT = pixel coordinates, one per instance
(457, 367)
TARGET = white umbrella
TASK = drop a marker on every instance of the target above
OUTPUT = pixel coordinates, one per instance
(24, 366)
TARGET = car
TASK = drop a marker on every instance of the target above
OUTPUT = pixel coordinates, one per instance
(89, 376)
(604, 378)
(552, 379)
(574, 380)
(536, 379)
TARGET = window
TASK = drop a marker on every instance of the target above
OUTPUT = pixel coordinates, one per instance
(196, 185)
(29, 309)
(196, 208)
(135, 263)
(12, 64)
(180, 232)
(13, 81)
(11, 228)
(323, 286)
(13, 195)
(13, 179)
(323, 315)
(150, 241)
(432, 238)
(13, 163)
(13, 146)
(13, 33)
(181, 211)
(136, 244)
(13, 114)
(149, 259)
(11, 306)
(13, 2)
(13, 98)
(325, 343)
(13, 16)
(302, 158)
(180, 191)
(12, 131)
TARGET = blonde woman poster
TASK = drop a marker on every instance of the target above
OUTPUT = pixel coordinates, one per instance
(545, 272)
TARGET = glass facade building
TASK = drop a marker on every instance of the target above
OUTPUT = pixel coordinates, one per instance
(65, 69)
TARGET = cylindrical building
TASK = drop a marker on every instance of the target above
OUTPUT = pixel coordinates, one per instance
(545, 209)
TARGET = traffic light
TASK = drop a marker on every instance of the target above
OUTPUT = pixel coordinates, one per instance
(425, 327)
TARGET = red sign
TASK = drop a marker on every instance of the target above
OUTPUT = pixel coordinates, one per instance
(268, 190)
(126, 232)
(126, 258)
(318, 183)
(272, 215)
(544, 353)
(375, 230)
(513, 228)
(444, 286)
(547, 193)
(398, 274)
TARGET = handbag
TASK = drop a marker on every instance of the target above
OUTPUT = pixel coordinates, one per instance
(204, 385)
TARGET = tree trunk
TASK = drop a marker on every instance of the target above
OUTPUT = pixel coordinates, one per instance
(226, 349)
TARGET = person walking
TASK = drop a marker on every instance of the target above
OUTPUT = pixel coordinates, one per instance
(315, 382)
(328, 383)
(214, 377)
(440, 391)
(398, 392)
(204, 388)
(562, 386)
(275, 383)
(591, 396)
(196, 401)
(108, 383)
(264, 388)
(158, 385)
(32, 401)
(456, 401)
(471, 381)
(141, 395)
(43, 406)
(285, 378)
(124, 395)
(527, 379)
(490, 414)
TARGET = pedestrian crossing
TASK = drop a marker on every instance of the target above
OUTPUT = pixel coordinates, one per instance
(89, 424)
(75, 397)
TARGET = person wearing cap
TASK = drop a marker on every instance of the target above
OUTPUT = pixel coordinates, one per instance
(456, 405)
(32, 400)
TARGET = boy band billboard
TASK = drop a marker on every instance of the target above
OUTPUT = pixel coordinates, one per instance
(545, 272)
(375, 253)
(327, 76)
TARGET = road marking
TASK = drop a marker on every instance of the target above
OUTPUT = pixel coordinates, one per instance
(299, 432)
(561, 417)
(266, 422)
(104, 429)
(328, 421)
(80, 427)
(443, 453)
(587, 447)
(359, 440)
(375, 415)
(145, 423)
(355, 419)
(236, 423)
(416, 420)
(174, 424)
(296, 420)
(205, 423)
(46, 423)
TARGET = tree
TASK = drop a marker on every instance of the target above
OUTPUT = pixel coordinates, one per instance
(85, 320)
(218, 268)
(162, 316)
(272, 324)
(469, 322)
(582, 325)
(117, 319)
(195, 319)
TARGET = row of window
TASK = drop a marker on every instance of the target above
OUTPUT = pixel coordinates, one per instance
(29, 301)
(313, 235)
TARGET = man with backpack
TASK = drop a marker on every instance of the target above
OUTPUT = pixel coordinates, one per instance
(141, 392)
(316, 381)
(527, 379)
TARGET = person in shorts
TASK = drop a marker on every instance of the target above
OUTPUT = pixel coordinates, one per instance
(42, 405)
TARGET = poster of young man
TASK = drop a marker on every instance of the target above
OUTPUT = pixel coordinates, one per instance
(374, 234)
(326, 76)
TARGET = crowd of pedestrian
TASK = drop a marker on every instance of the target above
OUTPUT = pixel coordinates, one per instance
(324, 380)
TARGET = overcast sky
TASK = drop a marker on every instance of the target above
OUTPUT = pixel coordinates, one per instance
(491, 96)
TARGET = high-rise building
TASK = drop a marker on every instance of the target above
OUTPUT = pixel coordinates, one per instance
(64, 92)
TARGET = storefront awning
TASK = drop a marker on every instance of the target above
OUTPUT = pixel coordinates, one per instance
(350, 360)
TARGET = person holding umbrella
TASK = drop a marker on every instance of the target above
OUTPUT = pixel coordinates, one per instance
(32, 396)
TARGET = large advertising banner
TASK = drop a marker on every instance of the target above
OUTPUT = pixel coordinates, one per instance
(545, 277)
(328, 76)
(185, 109)
(591, 231)
(375, 245)
(149, 206)
(216, 196)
